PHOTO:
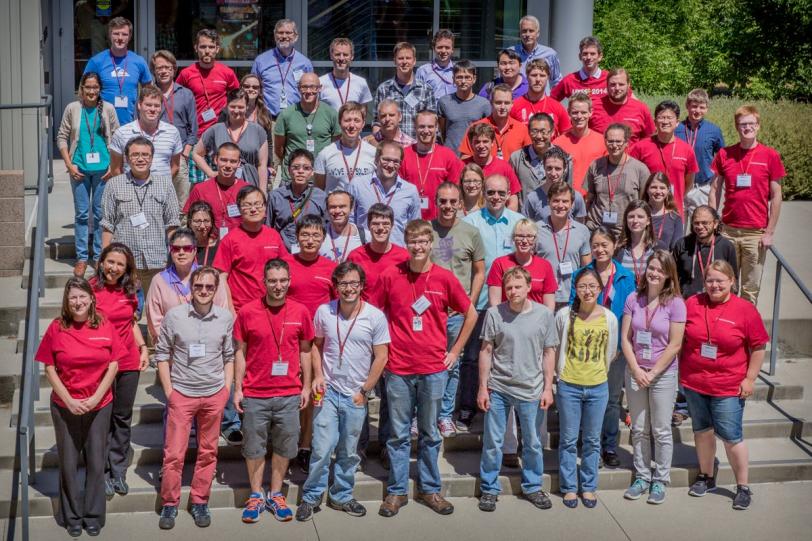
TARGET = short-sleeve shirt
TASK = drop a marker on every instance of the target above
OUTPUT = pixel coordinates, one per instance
(91, 122)
(523, 109)
(120, 76)
(459, 114)
(402, 197)
(676, 159)
(337, 247)
(579, 81)
(689, 269)
(513, 137)
(166, 140)
(521, 90)
(250, 141)
(583, 151)
(537, 207)
(81, 356)
(221, 199)
(668, 229)
(542, 277)
(658, 322)
(374, 264)
(242, 255)
(427, 172)
(271, 334)
(500, 167)
(280, 74)
(337, 92)
(747, 207)
(439, 78)
(335, 160)
(706, 140)
(456, 248)
(358, 337)
(311, 282)
(292, 124)
(120, 309)
(568, 245)
(282, 205)
(627, 181)
(632, 112)
(519, 341)
(736, 330)
(418, 351)
(210, 87)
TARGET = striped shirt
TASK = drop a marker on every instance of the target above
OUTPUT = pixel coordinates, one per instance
(410, 98)
(166, 140)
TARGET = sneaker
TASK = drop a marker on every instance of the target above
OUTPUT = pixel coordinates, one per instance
(109, 491)
(303, 459)
(464, 421)
(168, 514)
(656, 494)
(742, 499)
(305, 511)
(253, 508)
(353, 508)
(637, 489)
(677, 418)
(233, 437)
(200, 512)
(487, 502)
(447, 428)
(610, 459)
(540, 499)
(413, 428)
(702, 485)
(120, 486)
(277, 505)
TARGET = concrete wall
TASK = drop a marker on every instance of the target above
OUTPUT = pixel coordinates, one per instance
(12, 223)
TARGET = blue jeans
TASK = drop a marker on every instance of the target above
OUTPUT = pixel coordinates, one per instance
(91, 185)
(611, 419)
(336, 427)
(469, 367)
(531, 418)
(580, 408)
(405, 393)
(450, 396)
(231, 419)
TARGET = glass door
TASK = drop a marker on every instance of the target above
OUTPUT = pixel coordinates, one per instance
(90, 18)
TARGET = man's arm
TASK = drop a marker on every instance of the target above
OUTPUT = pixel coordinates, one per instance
(380, 358)
(305, 361)
(483, 398)
(776, 197)
(239, 374)
(477, 279)
(715, 193)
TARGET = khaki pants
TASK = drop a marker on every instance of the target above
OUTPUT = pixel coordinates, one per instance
(750, 256)
(181, 182)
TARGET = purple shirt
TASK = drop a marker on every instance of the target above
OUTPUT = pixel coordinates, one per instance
(661, 319)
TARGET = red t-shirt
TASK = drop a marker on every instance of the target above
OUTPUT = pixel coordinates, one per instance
(523, 109)
(418, 352)
(542, 277)
(210, 87)
(255, 326)
(736, 329)
(748, 207)
(243, 256)
(633, 112)
(219, 198)
(427, 172)
(572, 83)
(311, 282)
(81, 356)
(374, 264)
(119, 309)
(500, 167)
(583, 152)
(509, 140)
(676, 159)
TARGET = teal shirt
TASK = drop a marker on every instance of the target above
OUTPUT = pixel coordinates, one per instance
(90, 118)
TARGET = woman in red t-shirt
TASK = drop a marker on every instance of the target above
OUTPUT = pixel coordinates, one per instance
(116, 287)
(81, 351)
(722, 353)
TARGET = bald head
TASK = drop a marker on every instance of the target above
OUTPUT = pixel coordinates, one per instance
(309, 88)
(497, 191)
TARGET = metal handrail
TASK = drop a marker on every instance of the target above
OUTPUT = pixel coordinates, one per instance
(25, 463)
(780, 264)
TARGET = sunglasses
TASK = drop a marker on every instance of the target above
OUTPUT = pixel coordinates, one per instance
(500, 193)
(202, 287)
(185, 249)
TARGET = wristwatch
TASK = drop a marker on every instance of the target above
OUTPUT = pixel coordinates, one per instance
(370, 394)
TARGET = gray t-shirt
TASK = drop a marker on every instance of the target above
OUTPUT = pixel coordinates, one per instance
(537, 207)
(518, 344)
(628, 181)
(250, 141)
(458, 115)
(569, 250)
(456, 248)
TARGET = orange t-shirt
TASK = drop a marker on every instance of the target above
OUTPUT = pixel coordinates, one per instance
(583, 151)
(511, 139)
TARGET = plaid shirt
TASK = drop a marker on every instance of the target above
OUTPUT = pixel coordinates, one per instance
(420, 96)
(156, 198)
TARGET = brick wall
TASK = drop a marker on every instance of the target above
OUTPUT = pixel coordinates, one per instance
(12, 223)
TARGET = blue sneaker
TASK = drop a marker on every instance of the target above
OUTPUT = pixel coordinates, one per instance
(277, 505)
(637, 489)
(253, 508)
(656, 494)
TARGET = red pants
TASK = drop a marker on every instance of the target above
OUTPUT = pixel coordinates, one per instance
(208, 411)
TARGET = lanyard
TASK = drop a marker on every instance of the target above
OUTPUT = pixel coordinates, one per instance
(662, 225)
(414, 291)
(698, 255)
(499, 138)
(273, 332)
(346, 95)
(350, 172)
(618, 178)
(239, 133)
(379, 193)
(692, 136)
(341, 344)
(607, 302)
(223, 204)
(205, 254)
(91, 131)
(708, 325)
(205, 91)
(752, 155)
(339, 258)
(284, 77)
(421, 177)
(662, 154)
(296, 211)
(120, 74)
(145, 134)
(566, 242)
(649, 319)
(309, 119)
(169, 105)
(437, 73)
(141, 199)
(634, 263)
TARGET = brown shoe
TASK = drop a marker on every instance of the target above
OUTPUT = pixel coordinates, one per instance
(392, 504)
(437, 503)
(79, 269)
(510, 460)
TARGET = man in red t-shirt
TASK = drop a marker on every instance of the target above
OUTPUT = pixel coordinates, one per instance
(427, 164)
(481, 138)
(220, 192)
(416, 297)
(749, 173)
(582, 144)
(620, 106)
(590, 79)
(535, 101)
(242, 253)
(509, 134)
(273, 337)
(667, 153)
(208, 79)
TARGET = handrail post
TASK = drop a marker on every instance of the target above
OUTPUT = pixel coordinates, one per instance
(774, 322)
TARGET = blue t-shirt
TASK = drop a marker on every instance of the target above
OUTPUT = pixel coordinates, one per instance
(86, 143)
(120, 76)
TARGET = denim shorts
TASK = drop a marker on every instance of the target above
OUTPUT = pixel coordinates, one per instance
(721, 413)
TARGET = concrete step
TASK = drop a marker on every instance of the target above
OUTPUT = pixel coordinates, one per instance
(771, 460)
(57, 272)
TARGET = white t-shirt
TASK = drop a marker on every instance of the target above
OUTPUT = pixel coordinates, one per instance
(330, 163)
(358, 91)
(336, 248)
(370, 329)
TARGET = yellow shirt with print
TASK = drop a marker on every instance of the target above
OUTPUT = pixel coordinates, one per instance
(586, 353)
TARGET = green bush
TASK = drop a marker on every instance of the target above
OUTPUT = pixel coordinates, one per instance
(785, 125)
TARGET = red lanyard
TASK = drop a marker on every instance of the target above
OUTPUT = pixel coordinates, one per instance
(437, 73)
(91, 131)
(662, 225)
(350, 172)
(169, 105)
(649, 319)
(120, 74)
(223, 204)
(662, 154)
(420, 176)
(566, 242)
(346, 95)
(379, 193)
(239, 134)
(752, 155)
(428, 275)
(692, 139)
(618, 178)
(273, 332)
(290, 65)
(698, 255)
(205, 255)
(607, 302)
(707, 324)
(634, 263)
(341, 257)
(203, 84)
(341, 344)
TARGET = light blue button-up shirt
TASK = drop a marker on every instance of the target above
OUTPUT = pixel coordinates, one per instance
(402, 197)
(548, 54)
(441, 80)
(272, 68)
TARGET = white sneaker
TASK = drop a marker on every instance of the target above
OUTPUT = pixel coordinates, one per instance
(447, 428)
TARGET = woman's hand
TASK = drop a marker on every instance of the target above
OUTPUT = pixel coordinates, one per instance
(74, 172)
(746, 388)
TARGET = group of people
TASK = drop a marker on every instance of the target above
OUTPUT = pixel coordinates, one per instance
(498, 253)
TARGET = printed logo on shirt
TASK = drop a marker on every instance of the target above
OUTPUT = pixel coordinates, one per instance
(680, 158)
(102, 338)
(119, 72)
(323, 279)
(727, 321)
(271, 247)
(634, 120)
(299, 323)
(441, 293)
(762, 164)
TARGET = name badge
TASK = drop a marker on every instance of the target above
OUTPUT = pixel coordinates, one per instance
(411, 100)
(92, 157)
(744, 181)
(643, 338)
(197, 350)
(311, 145)
(121, 101)
(507, 244)
(208, 115)
(223, 232)
(499, 154)
(294, 248)
(565, 268)
(609, 217)
(283, 99)
(279, 368)
(709, 351)
(139, 220)
(645, 354)
(233, 210)
(421, 305)
(424, 203)
(417, 324)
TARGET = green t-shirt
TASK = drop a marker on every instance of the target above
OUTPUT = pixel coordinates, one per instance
(88, 143)
(456, 248)
(292, 123)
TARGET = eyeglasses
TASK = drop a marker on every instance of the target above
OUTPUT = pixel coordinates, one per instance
(310, 87)
(202, 287)
(588, 287)
(748, 124)
(251, 87)
(352, 284)
(249, 206)
(471, 181)
(145, 155)
(534, 131)
(309, 236)
(614, 143)
(524, 237)
(418, 243)
(500, 193)
(442, 201)
(187, 249)
(204, 221)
